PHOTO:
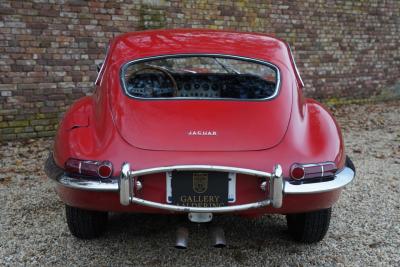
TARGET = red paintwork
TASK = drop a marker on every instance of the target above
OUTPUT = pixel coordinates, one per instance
(251, 134)
(163, 126)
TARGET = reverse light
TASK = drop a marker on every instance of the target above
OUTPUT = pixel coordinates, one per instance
(315, 170)
(102, 169)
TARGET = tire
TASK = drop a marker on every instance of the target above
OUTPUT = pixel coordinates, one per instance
(309, 227)
(86, 224)
(350, 164)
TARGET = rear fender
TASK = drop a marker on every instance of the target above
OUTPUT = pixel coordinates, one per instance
(313, 134)
(74, 126)
(87, 131)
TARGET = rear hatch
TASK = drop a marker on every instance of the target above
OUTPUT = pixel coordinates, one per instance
(201, 125)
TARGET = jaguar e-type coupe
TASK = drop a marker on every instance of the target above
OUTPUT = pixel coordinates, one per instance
(202, 123)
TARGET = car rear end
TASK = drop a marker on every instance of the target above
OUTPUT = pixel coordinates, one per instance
(201, 133)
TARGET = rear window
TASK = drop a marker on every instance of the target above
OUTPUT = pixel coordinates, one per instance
(200, 77)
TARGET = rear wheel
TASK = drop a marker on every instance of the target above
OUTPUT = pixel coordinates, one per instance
(350, 164)
(86, 224)
(309, 227)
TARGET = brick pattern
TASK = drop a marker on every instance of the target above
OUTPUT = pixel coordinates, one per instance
(49, 48)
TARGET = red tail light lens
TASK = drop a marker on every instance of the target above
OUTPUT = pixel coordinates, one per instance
(105, 169)
(316, 170)
(102, 169)
(297, 172)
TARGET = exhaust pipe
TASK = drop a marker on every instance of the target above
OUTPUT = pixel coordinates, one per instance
(218, 237)
(182, 237)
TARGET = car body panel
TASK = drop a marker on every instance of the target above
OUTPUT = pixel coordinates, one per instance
(161, 125)
(127, 47)
(232, 125)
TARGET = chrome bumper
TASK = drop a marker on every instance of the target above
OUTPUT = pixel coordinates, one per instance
(342, 178)
(127, 185)
(90, 185)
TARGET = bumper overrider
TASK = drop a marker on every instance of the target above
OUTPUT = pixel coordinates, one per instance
(127, 184)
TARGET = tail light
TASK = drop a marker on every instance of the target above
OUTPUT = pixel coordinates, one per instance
(309, 171)
(102, 169)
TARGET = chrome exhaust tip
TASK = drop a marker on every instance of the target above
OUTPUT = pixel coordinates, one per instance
(182, 237)
(218, 237)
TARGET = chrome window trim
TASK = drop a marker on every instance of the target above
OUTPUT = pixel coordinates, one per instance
(269, 64)
(295, 66)
(101, 71)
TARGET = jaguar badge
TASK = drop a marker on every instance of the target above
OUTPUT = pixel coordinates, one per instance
(202, 133)
(200, 182)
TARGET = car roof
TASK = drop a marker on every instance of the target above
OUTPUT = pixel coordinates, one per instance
(141, 44)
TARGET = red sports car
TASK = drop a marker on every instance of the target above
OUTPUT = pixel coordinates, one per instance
(199, 122)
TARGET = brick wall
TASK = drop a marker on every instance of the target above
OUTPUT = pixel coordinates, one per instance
(48, 49)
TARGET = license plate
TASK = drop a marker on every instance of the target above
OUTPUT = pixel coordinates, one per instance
(199, 189)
